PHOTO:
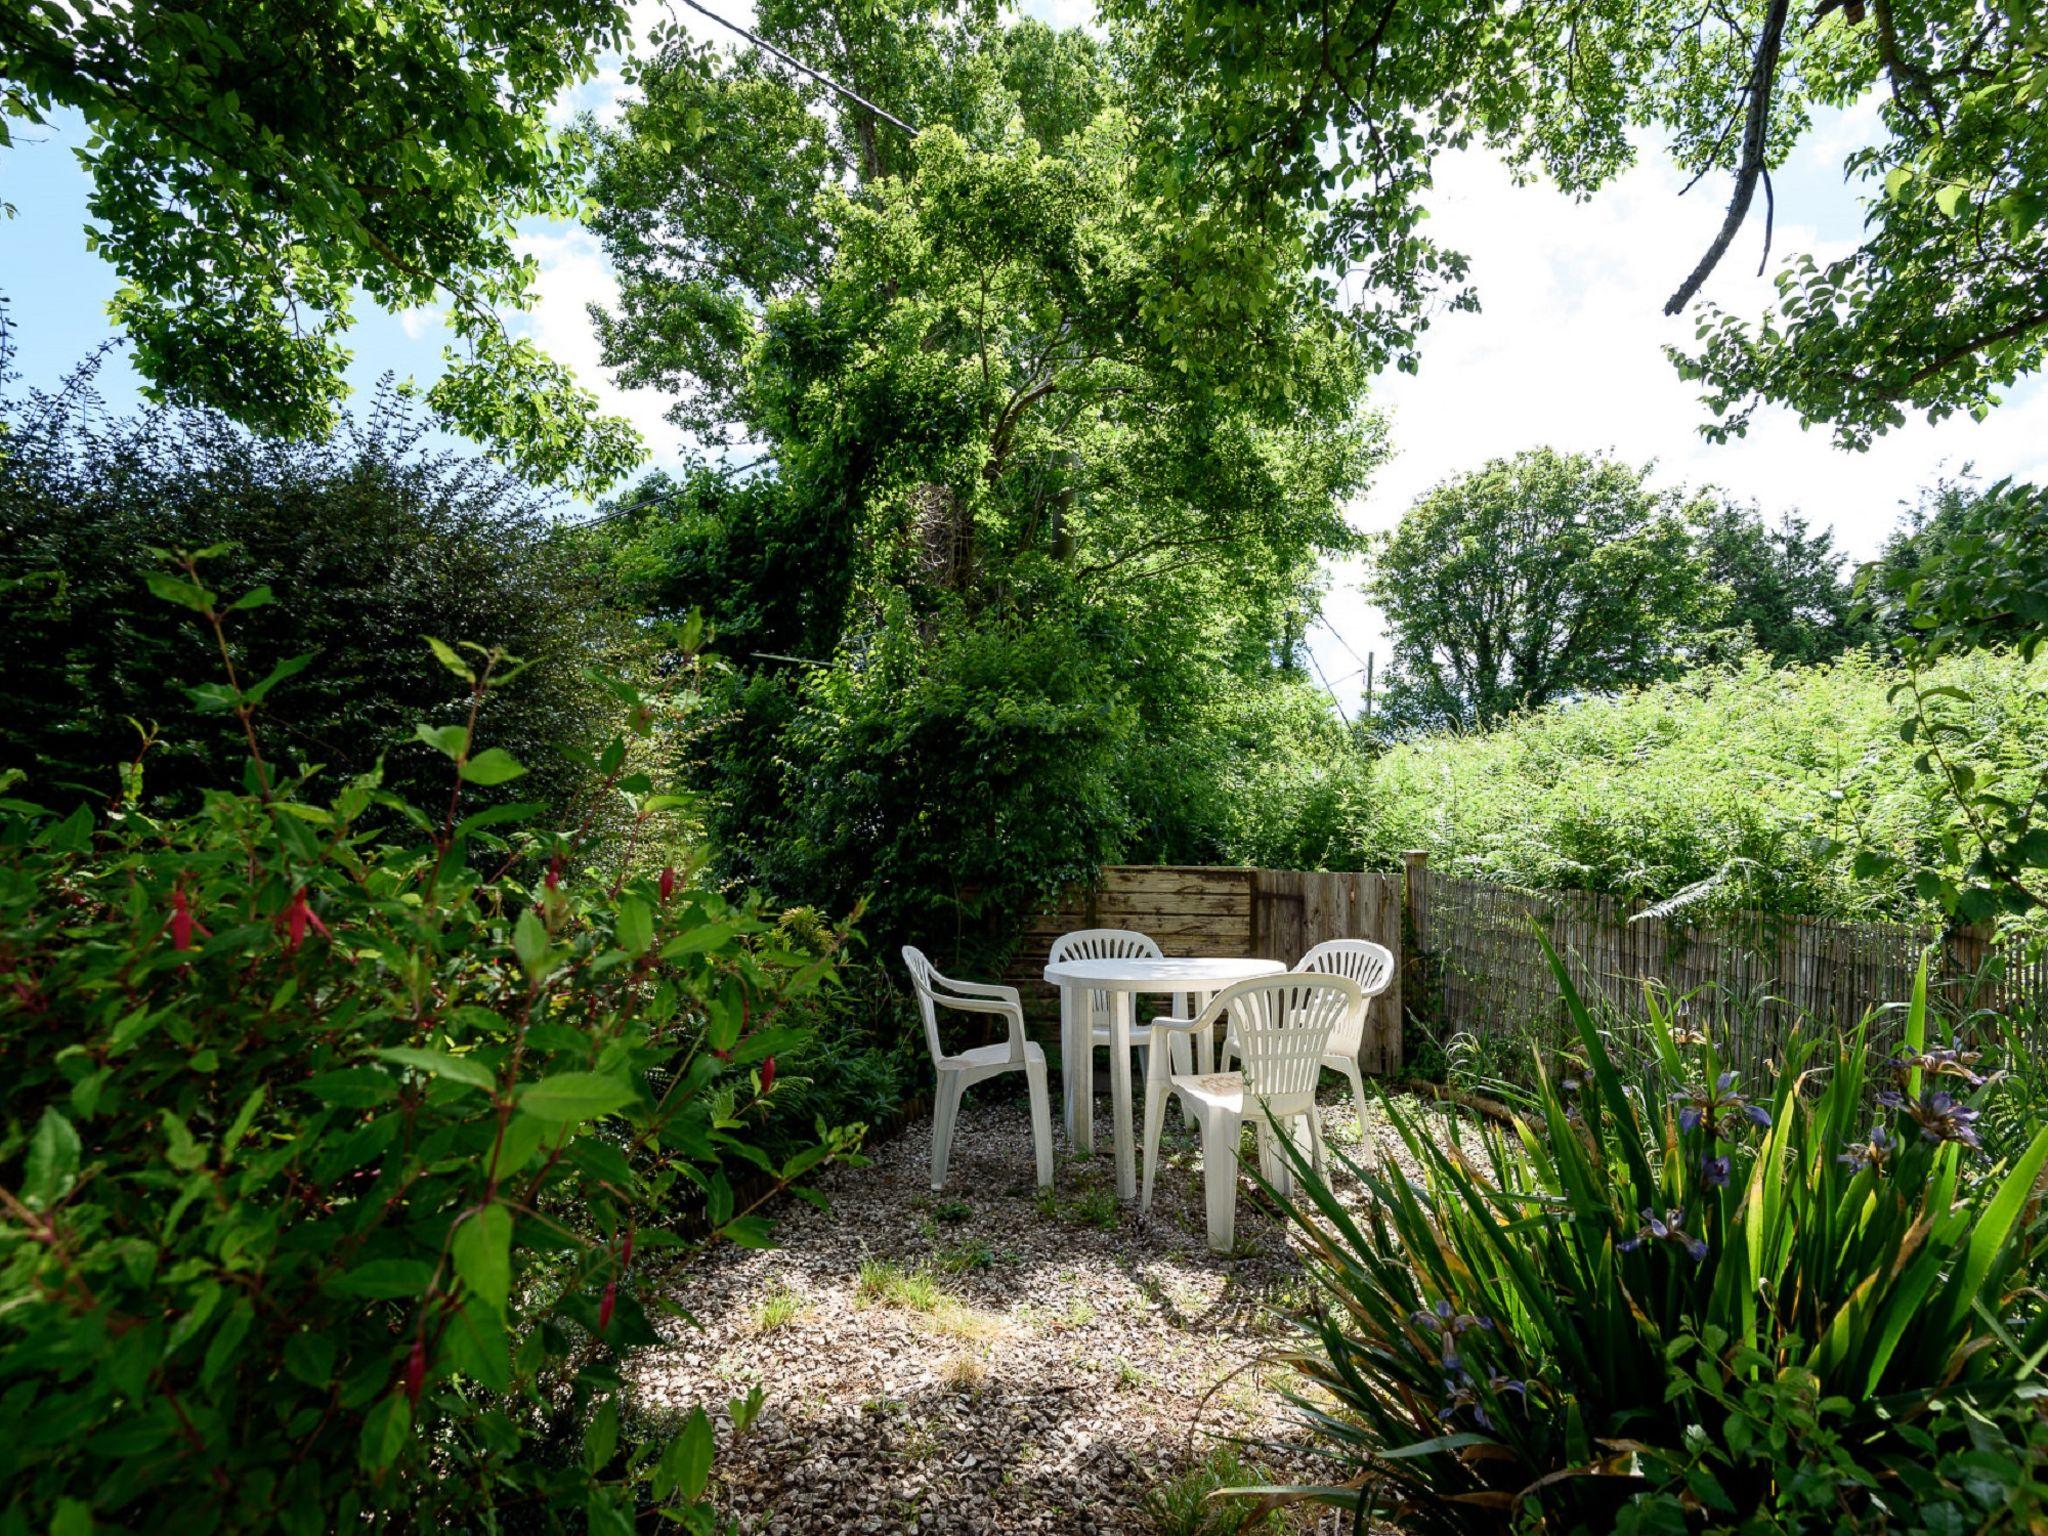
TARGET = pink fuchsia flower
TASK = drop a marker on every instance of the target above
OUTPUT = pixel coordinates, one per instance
(182, 923)
(299, 915)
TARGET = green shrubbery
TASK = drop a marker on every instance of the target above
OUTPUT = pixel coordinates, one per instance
(333, 1149)
(1789, 789)
(369, 540)
(1670, 1300)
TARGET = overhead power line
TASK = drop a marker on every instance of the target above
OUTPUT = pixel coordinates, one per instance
(825, 80)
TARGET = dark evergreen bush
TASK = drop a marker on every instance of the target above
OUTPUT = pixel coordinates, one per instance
(368, 542)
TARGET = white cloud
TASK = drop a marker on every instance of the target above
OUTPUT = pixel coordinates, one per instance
(573, 276)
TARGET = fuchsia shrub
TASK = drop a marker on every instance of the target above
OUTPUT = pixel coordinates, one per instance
(336, 1136)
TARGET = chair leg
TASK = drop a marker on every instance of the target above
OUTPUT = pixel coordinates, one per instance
(1357, 1101)
(1219, 1177)
(1317, 1159)
(1084, 1075)
(945, 1110)
(1155, 1119)
(1273, 1164)
(1041, 1120)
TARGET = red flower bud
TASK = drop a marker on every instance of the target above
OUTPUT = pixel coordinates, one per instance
(416, 1370)
(668, 882)
(554, 880)
(767, 1073)
(604, 1307)
(626, 1248)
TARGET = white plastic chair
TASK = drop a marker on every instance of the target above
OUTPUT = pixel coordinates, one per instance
(1372, 967)
(1281, 1026)
(958, 1073)
(1100, 944)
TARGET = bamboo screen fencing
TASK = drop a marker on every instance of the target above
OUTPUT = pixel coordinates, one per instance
(1756, 975)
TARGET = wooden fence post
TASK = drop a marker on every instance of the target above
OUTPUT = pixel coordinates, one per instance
(1415, 890)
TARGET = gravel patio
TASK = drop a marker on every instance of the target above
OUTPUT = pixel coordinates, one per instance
(989, 1359)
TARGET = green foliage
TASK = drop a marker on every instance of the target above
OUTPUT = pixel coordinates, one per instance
(364, 543)
(1670, 1300)
(1320, 128)
(1784, 789)
(1975, 575)
(1008, 550)
(1186, 1504)
(330, 1163)
(1533, 579)
(1787, 591)
(254, 168)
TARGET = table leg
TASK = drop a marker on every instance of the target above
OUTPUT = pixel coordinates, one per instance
(1067, 1061)
(1122, 1005)
(1084, 1069)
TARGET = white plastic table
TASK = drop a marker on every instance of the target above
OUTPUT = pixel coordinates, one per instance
(1123, 980)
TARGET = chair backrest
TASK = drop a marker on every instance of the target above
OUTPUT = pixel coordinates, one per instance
(1282, 1027)
(1104, 944)
(921, 974)
(1370, 965)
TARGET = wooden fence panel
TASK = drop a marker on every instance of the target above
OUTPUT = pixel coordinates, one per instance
(1478, 965)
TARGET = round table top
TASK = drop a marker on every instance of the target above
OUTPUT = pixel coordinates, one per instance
(1139, 974)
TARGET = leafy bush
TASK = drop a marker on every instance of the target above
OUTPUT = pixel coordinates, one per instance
(1788, 789)
(1674, 1301)
(951, 778)
(368, 540)
(330, 1156)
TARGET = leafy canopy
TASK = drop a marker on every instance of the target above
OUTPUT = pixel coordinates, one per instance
(1323, 123)
(254, 165)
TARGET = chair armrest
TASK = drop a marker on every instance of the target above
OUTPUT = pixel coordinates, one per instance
(1167, 1024)
(976, 988)
(1003, 1005)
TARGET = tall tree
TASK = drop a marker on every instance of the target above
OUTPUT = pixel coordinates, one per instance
(254, 164)
(1787, 587)
(1037, 535)
(1325, 121)
(1532, 579)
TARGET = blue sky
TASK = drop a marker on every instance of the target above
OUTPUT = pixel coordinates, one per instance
(1566, 351)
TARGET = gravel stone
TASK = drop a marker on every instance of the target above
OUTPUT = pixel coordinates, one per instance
(1079, 1354)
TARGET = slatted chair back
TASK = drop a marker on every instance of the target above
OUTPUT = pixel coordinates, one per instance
(1282, 1027)
(1104, 944)
(1370, 965)
(921, 974)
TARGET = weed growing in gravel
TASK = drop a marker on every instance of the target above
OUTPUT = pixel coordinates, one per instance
(1181, 1505)
(965, 1372)
(1128, 1376)
(961, 1257)
(1097, 1208)
(953, 1210)
(1079, 1315)
(781, 1307)
(744, 1411)
(881, 1283)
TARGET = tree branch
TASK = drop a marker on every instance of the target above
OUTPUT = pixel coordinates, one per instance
(1763, 77)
